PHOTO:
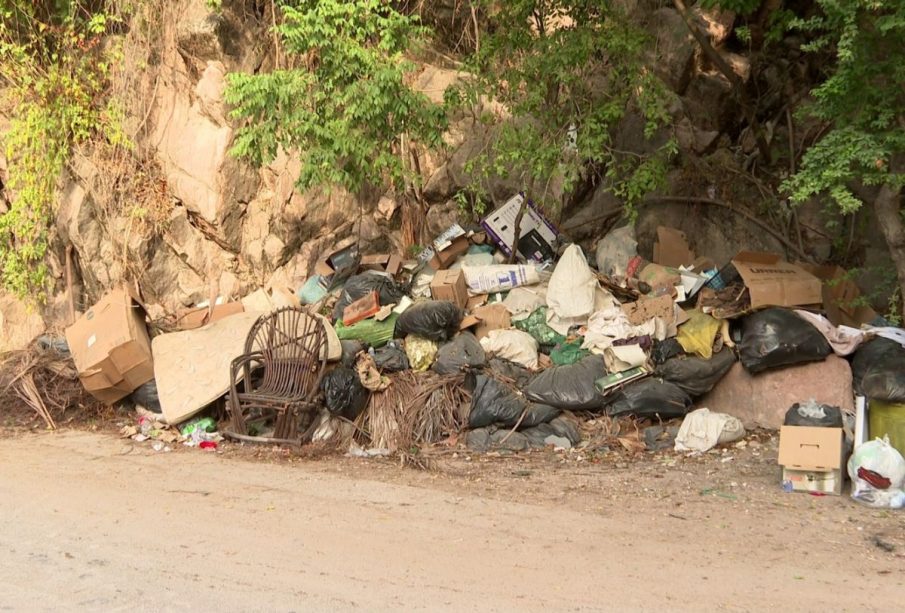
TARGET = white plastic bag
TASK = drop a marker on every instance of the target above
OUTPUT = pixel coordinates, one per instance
(571, 290)
(879, 462)
(615, 250)
(515, 345)
(702, 430)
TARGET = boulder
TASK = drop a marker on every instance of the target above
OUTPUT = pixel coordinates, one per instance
(19, 325)
(714, 22)
(762, 400)
(675, 48)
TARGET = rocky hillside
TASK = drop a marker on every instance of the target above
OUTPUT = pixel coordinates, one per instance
(209, 224)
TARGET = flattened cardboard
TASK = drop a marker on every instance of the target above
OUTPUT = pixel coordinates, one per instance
(774, 282)
(491, 317)
(195, 318)
(671, 248)
(647, 308)
(841, 297)
(111, 348)
(192, 368)
(450, 285)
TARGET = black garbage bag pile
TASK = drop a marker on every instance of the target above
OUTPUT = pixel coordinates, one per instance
(464, 351)
(777, 337)
(344, 395)
(359, 286)
(878, 370)
(497, 403)
(650, 397)
(694, 375)
(391, 358)
(435, 320)
(570, 386)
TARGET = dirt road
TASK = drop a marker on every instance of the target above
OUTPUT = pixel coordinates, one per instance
(90, 522)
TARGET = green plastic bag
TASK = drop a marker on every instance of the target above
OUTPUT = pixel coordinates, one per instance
(374, 333)
(569, 352)
(536, 325)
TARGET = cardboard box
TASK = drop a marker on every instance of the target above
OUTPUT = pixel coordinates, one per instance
(813, 459)
(448, 247)
(361, 309)
(841, 297)
(111, 348)
(774, 282)
(491, 317)
(537, 236)
(345, 256)
(671, 248)
(382, 262)
(450, 285)
(195, 318)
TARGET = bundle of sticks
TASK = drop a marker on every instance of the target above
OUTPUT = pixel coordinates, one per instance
(417, 409)
(43, 380)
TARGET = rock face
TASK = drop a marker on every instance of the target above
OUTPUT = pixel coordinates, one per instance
(762, 400)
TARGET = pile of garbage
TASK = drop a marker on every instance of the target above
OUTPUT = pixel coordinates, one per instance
(514, 342)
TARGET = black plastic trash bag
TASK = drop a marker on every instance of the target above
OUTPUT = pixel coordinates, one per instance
(344, 395)
(650, 397)
(695, 375)
(665, 350)
(570, 386)
(359, 286)
(146, 396)
(391, 358)
(878, 370)
(520, 375)
(493, 402)
(813, 415)
(351, 349)
(464, 351)
(435, 320)
(777, 337)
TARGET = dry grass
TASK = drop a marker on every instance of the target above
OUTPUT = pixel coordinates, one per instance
(415, 410)
(45, 382)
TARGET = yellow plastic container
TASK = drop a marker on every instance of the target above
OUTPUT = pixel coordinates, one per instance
(888, 419)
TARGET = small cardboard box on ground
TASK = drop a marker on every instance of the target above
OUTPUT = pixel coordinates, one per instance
(111, 348)
(450, 285)
(812, 459)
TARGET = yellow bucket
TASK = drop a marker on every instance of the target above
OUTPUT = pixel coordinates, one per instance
(888, 419)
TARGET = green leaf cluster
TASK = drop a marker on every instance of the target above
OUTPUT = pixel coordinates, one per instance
(347, 106)
(862, 98)
(566, 73)
(53, 70)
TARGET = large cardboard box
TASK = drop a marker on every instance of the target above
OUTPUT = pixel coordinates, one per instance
(812, 459)
(774, 282)
(450, 285)
(111, 347)
(537, 236)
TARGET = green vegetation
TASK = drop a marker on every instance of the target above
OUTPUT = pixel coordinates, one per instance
(565, 73)
(53, 70)
(347, 108)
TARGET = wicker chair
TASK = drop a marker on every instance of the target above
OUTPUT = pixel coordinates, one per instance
(280, 373)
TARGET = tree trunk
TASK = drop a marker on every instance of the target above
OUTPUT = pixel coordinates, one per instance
(888, 207)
